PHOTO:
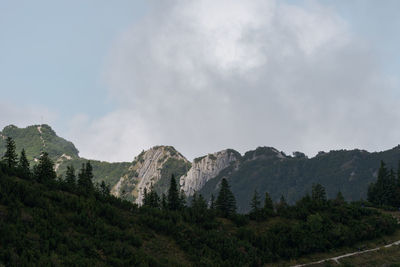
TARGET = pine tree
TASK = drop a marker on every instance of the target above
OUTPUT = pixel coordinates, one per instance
(164, 204)
(23, 165)
(282, 207)
(255, 205)
(318, 194)
(44, 171)
(104, 188)
(226, 203)
(173, 195)
(70, 178)
(339, 200)
(268, 209)
(10, 157)
(85, 177)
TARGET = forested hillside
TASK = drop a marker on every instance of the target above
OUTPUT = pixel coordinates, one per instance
(44, 221)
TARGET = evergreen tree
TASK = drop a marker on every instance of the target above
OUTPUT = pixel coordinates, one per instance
(104, 188)
(226, 203)
(282, 207)
(44, 171)
(173, 195)
(10, 157)
(255, 206)
(318, 195)
(70, 178)
(151, 199)
(23, 165)
(164, 204)
(268, 209)
(339, 200)
(85, 177)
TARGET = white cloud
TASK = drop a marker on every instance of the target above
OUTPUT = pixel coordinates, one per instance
(207, 75)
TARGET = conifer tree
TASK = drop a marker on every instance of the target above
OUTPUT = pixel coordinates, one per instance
(318, 193)
(226, 203)
(268, 209)
(164, 204)
(10, 157)
(70, 178)
(282, 206)
(339, 200)
(173, 195)
(23, 165)
(255, 205)
(85, 177)
(44, 171)
(104, 188)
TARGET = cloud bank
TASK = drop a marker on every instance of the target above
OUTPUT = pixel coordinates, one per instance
(208, 75)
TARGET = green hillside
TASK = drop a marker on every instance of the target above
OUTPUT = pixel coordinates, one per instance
(55, 223)
(38, 138)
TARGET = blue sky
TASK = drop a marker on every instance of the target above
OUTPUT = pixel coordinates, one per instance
(118, 77)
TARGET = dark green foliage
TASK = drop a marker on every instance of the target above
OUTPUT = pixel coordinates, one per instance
(385, 192)
(174, 200)
(226, 203)
(41, 224)
(10, 156)
(268, 209)
(70, 178)
(44, 171)
(85, 177)
(151, 199)
(255, 211)
(23, 165)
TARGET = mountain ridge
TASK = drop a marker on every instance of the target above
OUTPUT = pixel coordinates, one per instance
(264, 168)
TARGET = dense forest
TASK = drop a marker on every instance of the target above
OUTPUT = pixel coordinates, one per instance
(72, 221)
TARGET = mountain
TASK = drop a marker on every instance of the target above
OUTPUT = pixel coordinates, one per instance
(153, 167)
(268, 170)
(264, 169)
(37, 138)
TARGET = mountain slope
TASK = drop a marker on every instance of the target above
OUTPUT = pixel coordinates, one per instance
(268, 170)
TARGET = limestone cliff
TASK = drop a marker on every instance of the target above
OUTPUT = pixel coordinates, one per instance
(151, 167)
(205, 168)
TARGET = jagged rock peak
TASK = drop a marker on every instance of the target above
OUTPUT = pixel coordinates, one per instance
(205, 168)
(147, 168)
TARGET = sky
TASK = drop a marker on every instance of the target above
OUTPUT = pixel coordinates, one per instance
(119, 77)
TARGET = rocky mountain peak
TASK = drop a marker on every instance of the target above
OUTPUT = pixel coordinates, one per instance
(205, 168)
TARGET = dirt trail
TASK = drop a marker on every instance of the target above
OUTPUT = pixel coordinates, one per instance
(336, 259)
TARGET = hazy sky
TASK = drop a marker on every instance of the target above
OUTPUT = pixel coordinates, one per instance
(116, 77)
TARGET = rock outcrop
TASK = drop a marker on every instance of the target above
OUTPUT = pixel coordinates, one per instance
(148, 169)
(205, 168)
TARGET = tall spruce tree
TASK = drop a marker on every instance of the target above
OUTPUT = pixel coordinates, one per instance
(174, 202)
(255, 205)
(70, 178)
(85, 177)
(44, 171)
(268, 209)
(10, 157)
(226, 203)
(23, 165)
